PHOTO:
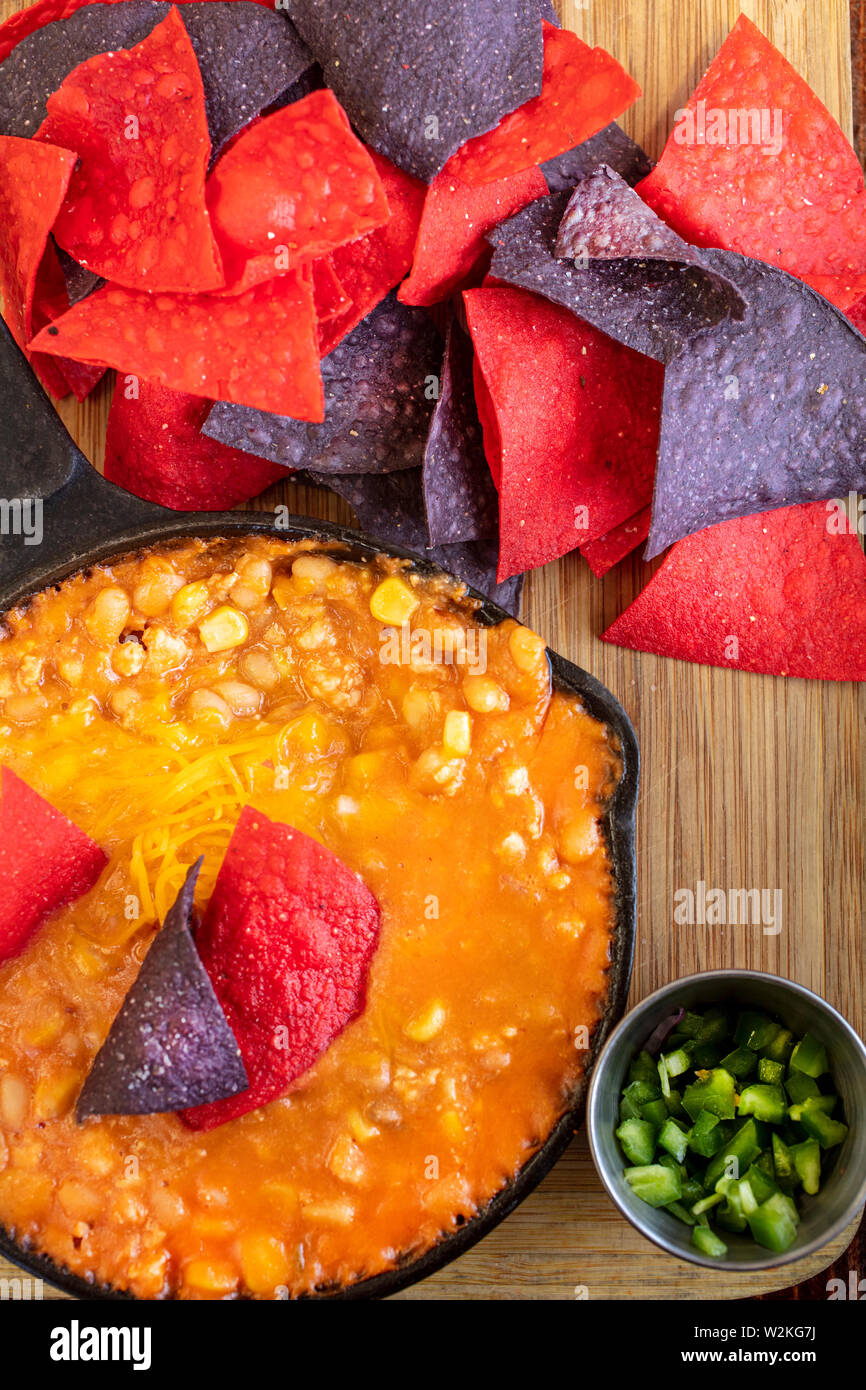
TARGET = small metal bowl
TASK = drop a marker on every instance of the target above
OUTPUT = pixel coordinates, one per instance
(843, 1190)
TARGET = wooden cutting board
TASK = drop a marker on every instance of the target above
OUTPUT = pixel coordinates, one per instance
(748, 781)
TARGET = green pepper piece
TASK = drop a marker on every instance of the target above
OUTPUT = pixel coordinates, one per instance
(674, 1105)
(780, 1049)
(707, 1203)
(731, 1214)
(771, 1073)
(635, 1095)
(664, 1079)
(714, 1091)
(810, 1056)
(716, 1026)
(643, 1068)
(772, 1224)
(740, 1063)
(766, 1103)
(818, 1125)
(706, 1135)
(800, 1087)
(782, 1160)
(693, 1191)
(677, 1062)
(827, 1104)
(655, 1111)
(679, 1211)
(655, 1183)
(673, 1139)
(690, 1024)
(743, 1148)
(706, 1240)
(637, 1140)
(806, 1158)
(762, 1185)
(755, 1030)
(707, 1055)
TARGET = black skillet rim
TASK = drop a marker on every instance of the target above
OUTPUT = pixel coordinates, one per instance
(619, 828)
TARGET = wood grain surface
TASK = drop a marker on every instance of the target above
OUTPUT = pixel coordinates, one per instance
(748, 781)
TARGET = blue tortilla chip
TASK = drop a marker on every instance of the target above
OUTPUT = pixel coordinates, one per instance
(170, 1046)
(762, 414)
(418, 80)
(248, 55)
(610, 146)
(380, 389)
(654, 306)
(80, 282)
(390, 509)
(459, 493)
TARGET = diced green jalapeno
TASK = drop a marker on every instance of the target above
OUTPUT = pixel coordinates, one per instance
(771, 1073)
(800, 1087)
(677, 1062)
(810, 1056)
(673, 1138)
(740, 1063)
(766, 1103)
(714, 1091)
(819, 1125)
(637, 1140)
(755, 1030)
(739, 1152)
(761, 1184)
(643, 1068)
(655, 1111)
(654, 1183)
(706, 1240)
(772, 1224)
(780, 1049)
(680, 1212)
(806, 1158)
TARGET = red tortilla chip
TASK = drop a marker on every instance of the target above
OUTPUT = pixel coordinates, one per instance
(857, 315)
(135, 210)
(259, 348)
(293, 187)
(43, 12)
(33, 183)
(578, 418)
(370, 268)
(287, 939)
(781, 593)
(455, 219)
(842, 290)
(489, 423)
(791, 194)
(583, 89)
(45, 862)
(154, 448)
(607, 551)
(59, 375)
(329, 296)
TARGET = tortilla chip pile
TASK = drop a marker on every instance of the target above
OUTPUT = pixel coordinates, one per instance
(226, 1013)
(406, 252)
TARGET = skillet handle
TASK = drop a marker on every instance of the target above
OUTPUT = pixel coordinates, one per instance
(54, 507)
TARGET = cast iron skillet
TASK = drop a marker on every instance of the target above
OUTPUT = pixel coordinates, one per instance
(87, 520)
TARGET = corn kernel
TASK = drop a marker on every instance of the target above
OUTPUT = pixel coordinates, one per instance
(13, 1101)
(223, 629)
(453, 1126)
(211, 1276)
(393, 602)
(264, 1263)
(457, 735)
(365, 768)
(158, 584)
(190, 603)
(425, 1026)
(54, 1095)
(526, 648)
(360, 1129)
(284, 591)
(484, 695)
